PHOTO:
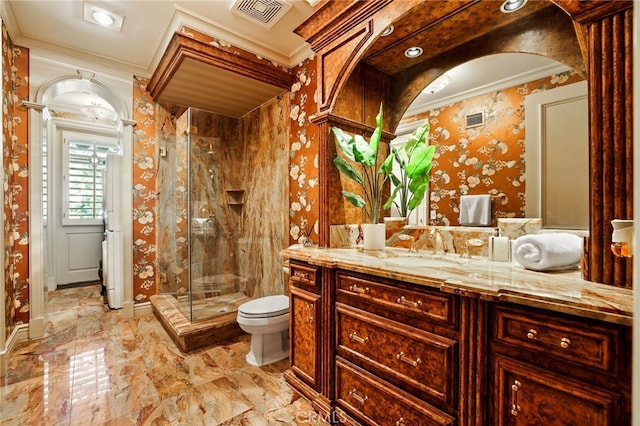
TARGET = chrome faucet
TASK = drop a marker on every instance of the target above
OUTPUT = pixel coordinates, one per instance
(438, 241)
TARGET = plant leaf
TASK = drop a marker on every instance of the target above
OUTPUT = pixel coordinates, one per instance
(391, 199)
(418, 195)
(347, 169)
(387, 165)
(377, 133)
(345, 142)
(363, 151)
(354, 199)
(420, 163)
(417, 138)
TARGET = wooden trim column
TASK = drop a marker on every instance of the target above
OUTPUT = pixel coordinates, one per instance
(610, 72)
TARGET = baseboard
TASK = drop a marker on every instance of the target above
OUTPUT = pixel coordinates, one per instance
(36, 328)
(19, 333)
(143, 308)
(128, 309)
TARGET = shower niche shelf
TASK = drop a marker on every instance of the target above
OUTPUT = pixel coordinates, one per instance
(235, 197)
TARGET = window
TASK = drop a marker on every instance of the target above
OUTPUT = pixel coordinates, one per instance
(84, 160)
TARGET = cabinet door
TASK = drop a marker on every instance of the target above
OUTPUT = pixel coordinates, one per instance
(305, 332)
(527, 395)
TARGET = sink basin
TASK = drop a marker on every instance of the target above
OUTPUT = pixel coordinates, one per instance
(427, 262)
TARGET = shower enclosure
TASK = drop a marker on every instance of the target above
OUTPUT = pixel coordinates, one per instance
(201, 217)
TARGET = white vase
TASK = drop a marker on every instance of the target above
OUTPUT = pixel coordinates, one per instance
(374, 236)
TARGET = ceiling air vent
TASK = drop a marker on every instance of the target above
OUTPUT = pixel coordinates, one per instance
(263, 12)
(474, 120)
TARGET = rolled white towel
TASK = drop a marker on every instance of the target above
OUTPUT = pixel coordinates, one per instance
(548, 251)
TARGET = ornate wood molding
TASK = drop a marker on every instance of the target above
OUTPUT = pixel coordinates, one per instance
(182, 47)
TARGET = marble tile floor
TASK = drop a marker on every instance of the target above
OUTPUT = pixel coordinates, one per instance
(95, 367)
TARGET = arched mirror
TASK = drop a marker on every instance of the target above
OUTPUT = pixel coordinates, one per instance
(504, 125)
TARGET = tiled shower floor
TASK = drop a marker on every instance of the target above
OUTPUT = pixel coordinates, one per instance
(95, 367)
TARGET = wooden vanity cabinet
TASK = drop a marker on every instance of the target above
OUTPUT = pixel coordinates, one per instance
(305, 326)
(377, 351)
(396, 352)
(553, 369)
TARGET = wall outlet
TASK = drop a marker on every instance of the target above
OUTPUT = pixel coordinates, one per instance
(432, 214)
(163, 151)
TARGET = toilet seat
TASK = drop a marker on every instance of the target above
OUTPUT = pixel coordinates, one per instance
(265, 307)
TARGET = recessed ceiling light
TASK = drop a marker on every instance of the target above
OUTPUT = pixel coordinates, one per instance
(104, 18)
(387, 31)
(512, 5)
(413, 52)
(438, 84)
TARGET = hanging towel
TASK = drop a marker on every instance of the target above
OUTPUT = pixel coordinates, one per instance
(549, 251)
(475, 210)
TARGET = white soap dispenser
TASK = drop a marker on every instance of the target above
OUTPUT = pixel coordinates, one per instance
(499, 248)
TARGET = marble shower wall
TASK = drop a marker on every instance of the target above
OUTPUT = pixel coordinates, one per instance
(263, 174)
(239, 198)
(216, 153)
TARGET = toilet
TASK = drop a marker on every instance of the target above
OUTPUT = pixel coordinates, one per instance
(267, 320)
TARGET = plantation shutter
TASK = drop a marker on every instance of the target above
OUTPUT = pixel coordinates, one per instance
(84, 165)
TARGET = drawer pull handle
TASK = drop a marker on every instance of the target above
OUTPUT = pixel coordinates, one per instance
(403, 301)
(300, 274)
(565, 342)
(354, 288)
(354, 394)
(309, 313)
(410, 361)
(400, 422)
(515, 387)
(532, 334)
(354, 336)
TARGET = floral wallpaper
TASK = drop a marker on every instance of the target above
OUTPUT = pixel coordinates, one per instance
(15, 88)
(145, 158)
(487, 159)
(303, 156)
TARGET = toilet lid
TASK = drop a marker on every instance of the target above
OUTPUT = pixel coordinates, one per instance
(269, 306)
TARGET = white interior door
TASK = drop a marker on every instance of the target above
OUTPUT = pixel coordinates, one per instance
(76, 204)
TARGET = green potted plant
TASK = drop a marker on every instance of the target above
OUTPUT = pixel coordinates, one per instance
(411, 182)
(371, 180)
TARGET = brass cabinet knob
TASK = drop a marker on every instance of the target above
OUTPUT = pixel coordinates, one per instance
(565, 342)
(532, 334)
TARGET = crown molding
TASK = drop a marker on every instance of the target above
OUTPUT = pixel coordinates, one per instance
(183, 17)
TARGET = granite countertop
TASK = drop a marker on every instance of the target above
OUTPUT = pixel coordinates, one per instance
(560, 291)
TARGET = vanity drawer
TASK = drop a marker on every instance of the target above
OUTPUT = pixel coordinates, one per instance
(304, 275)
(418, 359)
(426, 304)
(586, 343)
(375, 402)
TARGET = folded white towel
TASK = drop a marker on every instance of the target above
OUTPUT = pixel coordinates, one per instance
(475, 210)
(548, 251)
